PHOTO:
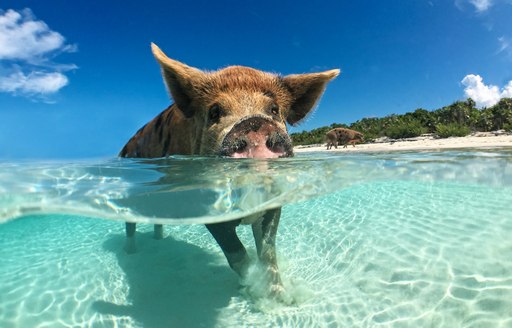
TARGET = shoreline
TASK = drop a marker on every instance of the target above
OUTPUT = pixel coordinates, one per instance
(424, 142)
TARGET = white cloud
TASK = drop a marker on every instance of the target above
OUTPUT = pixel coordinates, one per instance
(27, 46)
(507, 90)
(34, 83)
(504, 43)
(505, 46)
(484, 95)
(481, 5)
(21, 37)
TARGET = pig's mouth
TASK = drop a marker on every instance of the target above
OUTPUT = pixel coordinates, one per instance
(256, 137)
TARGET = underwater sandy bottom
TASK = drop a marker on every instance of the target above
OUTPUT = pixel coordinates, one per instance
(384, 254)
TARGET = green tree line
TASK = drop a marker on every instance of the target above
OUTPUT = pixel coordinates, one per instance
(458, 119)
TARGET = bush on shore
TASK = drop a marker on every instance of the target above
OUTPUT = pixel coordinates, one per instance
(405, 130)
(457, 119)
(452, 130)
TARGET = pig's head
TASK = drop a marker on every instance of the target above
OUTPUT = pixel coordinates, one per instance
(240, 111)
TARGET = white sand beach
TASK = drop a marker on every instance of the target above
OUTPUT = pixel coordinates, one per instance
(424, 142)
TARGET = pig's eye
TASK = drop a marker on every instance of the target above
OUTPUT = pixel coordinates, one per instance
(269, 94)
(214, 114)
(274, 110)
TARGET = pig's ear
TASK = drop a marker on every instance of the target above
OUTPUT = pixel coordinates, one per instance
(305, 90)
(181, 80)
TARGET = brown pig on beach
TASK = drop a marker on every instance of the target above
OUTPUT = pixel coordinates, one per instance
(343, 136)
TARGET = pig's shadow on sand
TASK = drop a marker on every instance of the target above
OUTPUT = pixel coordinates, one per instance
(171, 283)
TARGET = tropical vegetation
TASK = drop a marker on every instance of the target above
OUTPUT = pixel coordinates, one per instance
(458, 119)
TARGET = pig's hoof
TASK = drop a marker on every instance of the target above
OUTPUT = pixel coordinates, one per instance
(278, 293)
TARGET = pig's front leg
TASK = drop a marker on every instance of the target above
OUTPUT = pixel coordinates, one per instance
(264, 231)
(225, 235)
(129, 246)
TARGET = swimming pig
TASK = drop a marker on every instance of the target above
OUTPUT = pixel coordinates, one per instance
(343, 137)
(236, 112)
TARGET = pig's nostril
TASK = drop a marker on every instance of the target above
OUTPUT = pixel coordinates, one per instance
(269, 143)
(275, 143)
(240, 146)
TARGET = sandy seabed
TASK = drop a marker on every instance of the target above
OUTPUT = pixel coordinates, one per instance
(425, 142)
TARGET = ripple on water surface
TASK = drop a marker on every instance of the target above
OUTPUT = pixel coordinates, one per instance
(413, 239)
(389, 253)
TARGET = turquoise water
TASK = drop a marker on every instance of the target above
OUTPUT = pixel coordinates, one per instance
(365, 240)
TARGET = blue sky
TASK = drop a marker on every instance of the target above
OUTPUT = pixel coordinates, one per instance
(77, 78)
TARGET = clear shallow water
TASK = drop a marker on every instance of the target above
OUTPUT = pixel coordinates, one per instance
(412, 239)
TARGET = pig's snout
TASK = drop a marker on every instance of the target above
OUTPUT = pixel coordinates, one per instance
(256, 138)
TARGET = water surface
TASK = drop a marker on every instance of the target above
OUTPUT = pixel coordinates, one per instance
(418, 239)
